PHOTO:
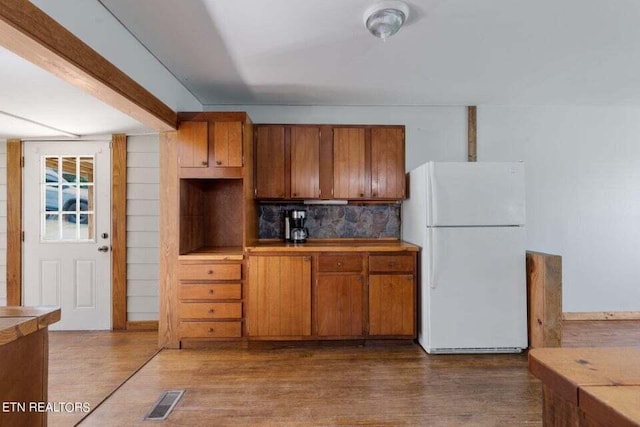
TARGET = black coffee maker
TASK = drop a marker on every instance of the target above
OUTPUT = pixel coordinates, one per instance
(294, 229)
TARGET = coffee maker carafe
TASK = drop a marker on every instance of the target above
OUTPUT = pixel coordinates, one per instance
(298, 233)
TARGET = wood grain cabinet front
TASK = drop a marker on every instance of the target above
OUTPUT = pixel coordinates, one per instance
(210, 146)
(339, 295)
(391, 263)
(210, 291)
(210, 299)
(193, 145)
(279, 300)
(392, 304)
(272, 180)
(387, 163)
(305, 162)
(210, 310)
(191, 270)
(211, 329)
(392, 295)
(340, 263)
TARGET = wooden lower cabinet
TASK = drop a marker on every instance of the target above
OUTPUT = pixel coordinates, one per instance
(339, 305)
(279, 300)
(392, 304)
(210, 299)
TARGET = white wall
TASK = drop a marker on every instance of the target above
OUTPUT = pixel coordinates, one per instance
(432, 133)
(142, 227)
(3, 222)
(583, 194)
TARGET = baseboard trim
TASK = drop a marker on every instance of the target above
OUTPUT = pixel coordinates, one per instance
(142, 325)
(602, 315)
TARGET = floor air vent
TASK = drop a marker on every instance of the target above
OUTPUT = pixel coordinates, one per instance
(163, 407)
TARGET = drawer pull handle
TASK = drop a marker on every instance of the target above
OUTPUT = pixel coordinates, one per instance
(218, 162)
(392, 264)
(210, 330)
(210, 272)
(211, 310)
(211, 291)
(204, 163)
(339, 264)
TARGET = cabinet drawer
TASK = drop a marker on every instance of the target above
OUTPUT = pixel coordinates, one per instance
(210, 271)
(210, 291)
(391, 263)
(210, 329)
(210, 310)
(338, 263)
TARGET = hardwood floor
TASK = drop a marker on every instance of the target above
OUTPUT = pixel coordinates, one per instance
(338, 385)
(87, 366)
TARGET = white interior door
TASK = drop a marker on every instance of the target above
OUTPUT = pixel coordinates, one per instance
(66, 249)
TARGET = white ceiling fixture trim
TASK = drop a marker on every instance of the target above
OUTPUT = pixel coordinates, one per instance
(385, 18)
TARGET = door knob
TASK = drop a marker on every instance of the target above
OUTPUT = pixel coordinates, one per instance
(103, 249)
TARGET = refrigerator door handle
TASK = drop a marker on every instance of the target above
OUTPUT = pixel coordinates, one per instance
(431, 197)
(432, 259)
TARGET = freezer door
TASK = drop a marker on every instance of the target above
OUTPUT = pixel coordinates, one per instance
(476, 284)
(475, 193)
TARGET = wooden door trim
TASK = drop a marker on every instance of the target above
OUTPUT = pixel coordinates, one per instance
(118, 227)
(32, 34)
(472, 134)
(14, 222)
(119, 232)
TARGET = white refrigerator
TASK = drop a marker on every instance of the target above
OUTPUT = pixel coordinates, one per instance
(469, 219)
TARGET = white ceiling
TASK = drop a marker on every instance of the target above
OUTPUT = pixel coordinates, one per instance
(49, 107)
(296, 52)
(452, 52)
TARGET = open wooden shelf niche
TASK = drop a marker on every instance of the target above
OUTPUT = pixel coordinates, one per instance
(210, 214)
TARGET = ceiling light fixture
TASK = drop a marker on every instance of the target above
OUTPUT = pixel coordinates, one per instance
(385, 18)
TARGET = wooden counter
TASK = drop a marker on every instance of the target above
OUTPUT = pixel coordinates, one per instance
(24, 360)
(586, 386)
(321, 245)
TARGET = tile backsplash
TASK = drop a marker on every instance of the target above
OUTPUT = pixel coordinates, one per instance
(334, 221)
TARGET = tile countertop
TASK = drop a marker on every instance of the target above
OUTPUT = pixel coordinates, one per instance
(322, 245)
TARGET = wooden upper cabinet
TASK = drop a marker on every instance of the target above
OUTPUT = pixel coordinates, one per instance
(387, 163)
(193, 145)
(227, 143)
(270, 162)
(349, 181)
(305, 162)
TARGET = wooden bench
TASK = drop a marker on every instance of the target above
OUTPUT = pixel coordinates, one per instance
(588, 386)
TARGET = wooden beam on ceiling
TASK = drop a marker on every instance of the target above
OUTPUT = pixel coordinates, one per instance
(32, 34)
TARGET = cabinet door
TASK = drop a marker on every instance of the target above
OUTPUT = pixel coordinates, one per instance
(279, 301)
(193, 147)
(387, 163)
(270, 162)
(305, 162)
(391, 304)
(348, 163)
(339, 305)
(227, 143)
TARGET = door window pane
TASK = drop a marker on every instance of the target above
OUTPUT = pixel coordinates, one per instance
(68, 207)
